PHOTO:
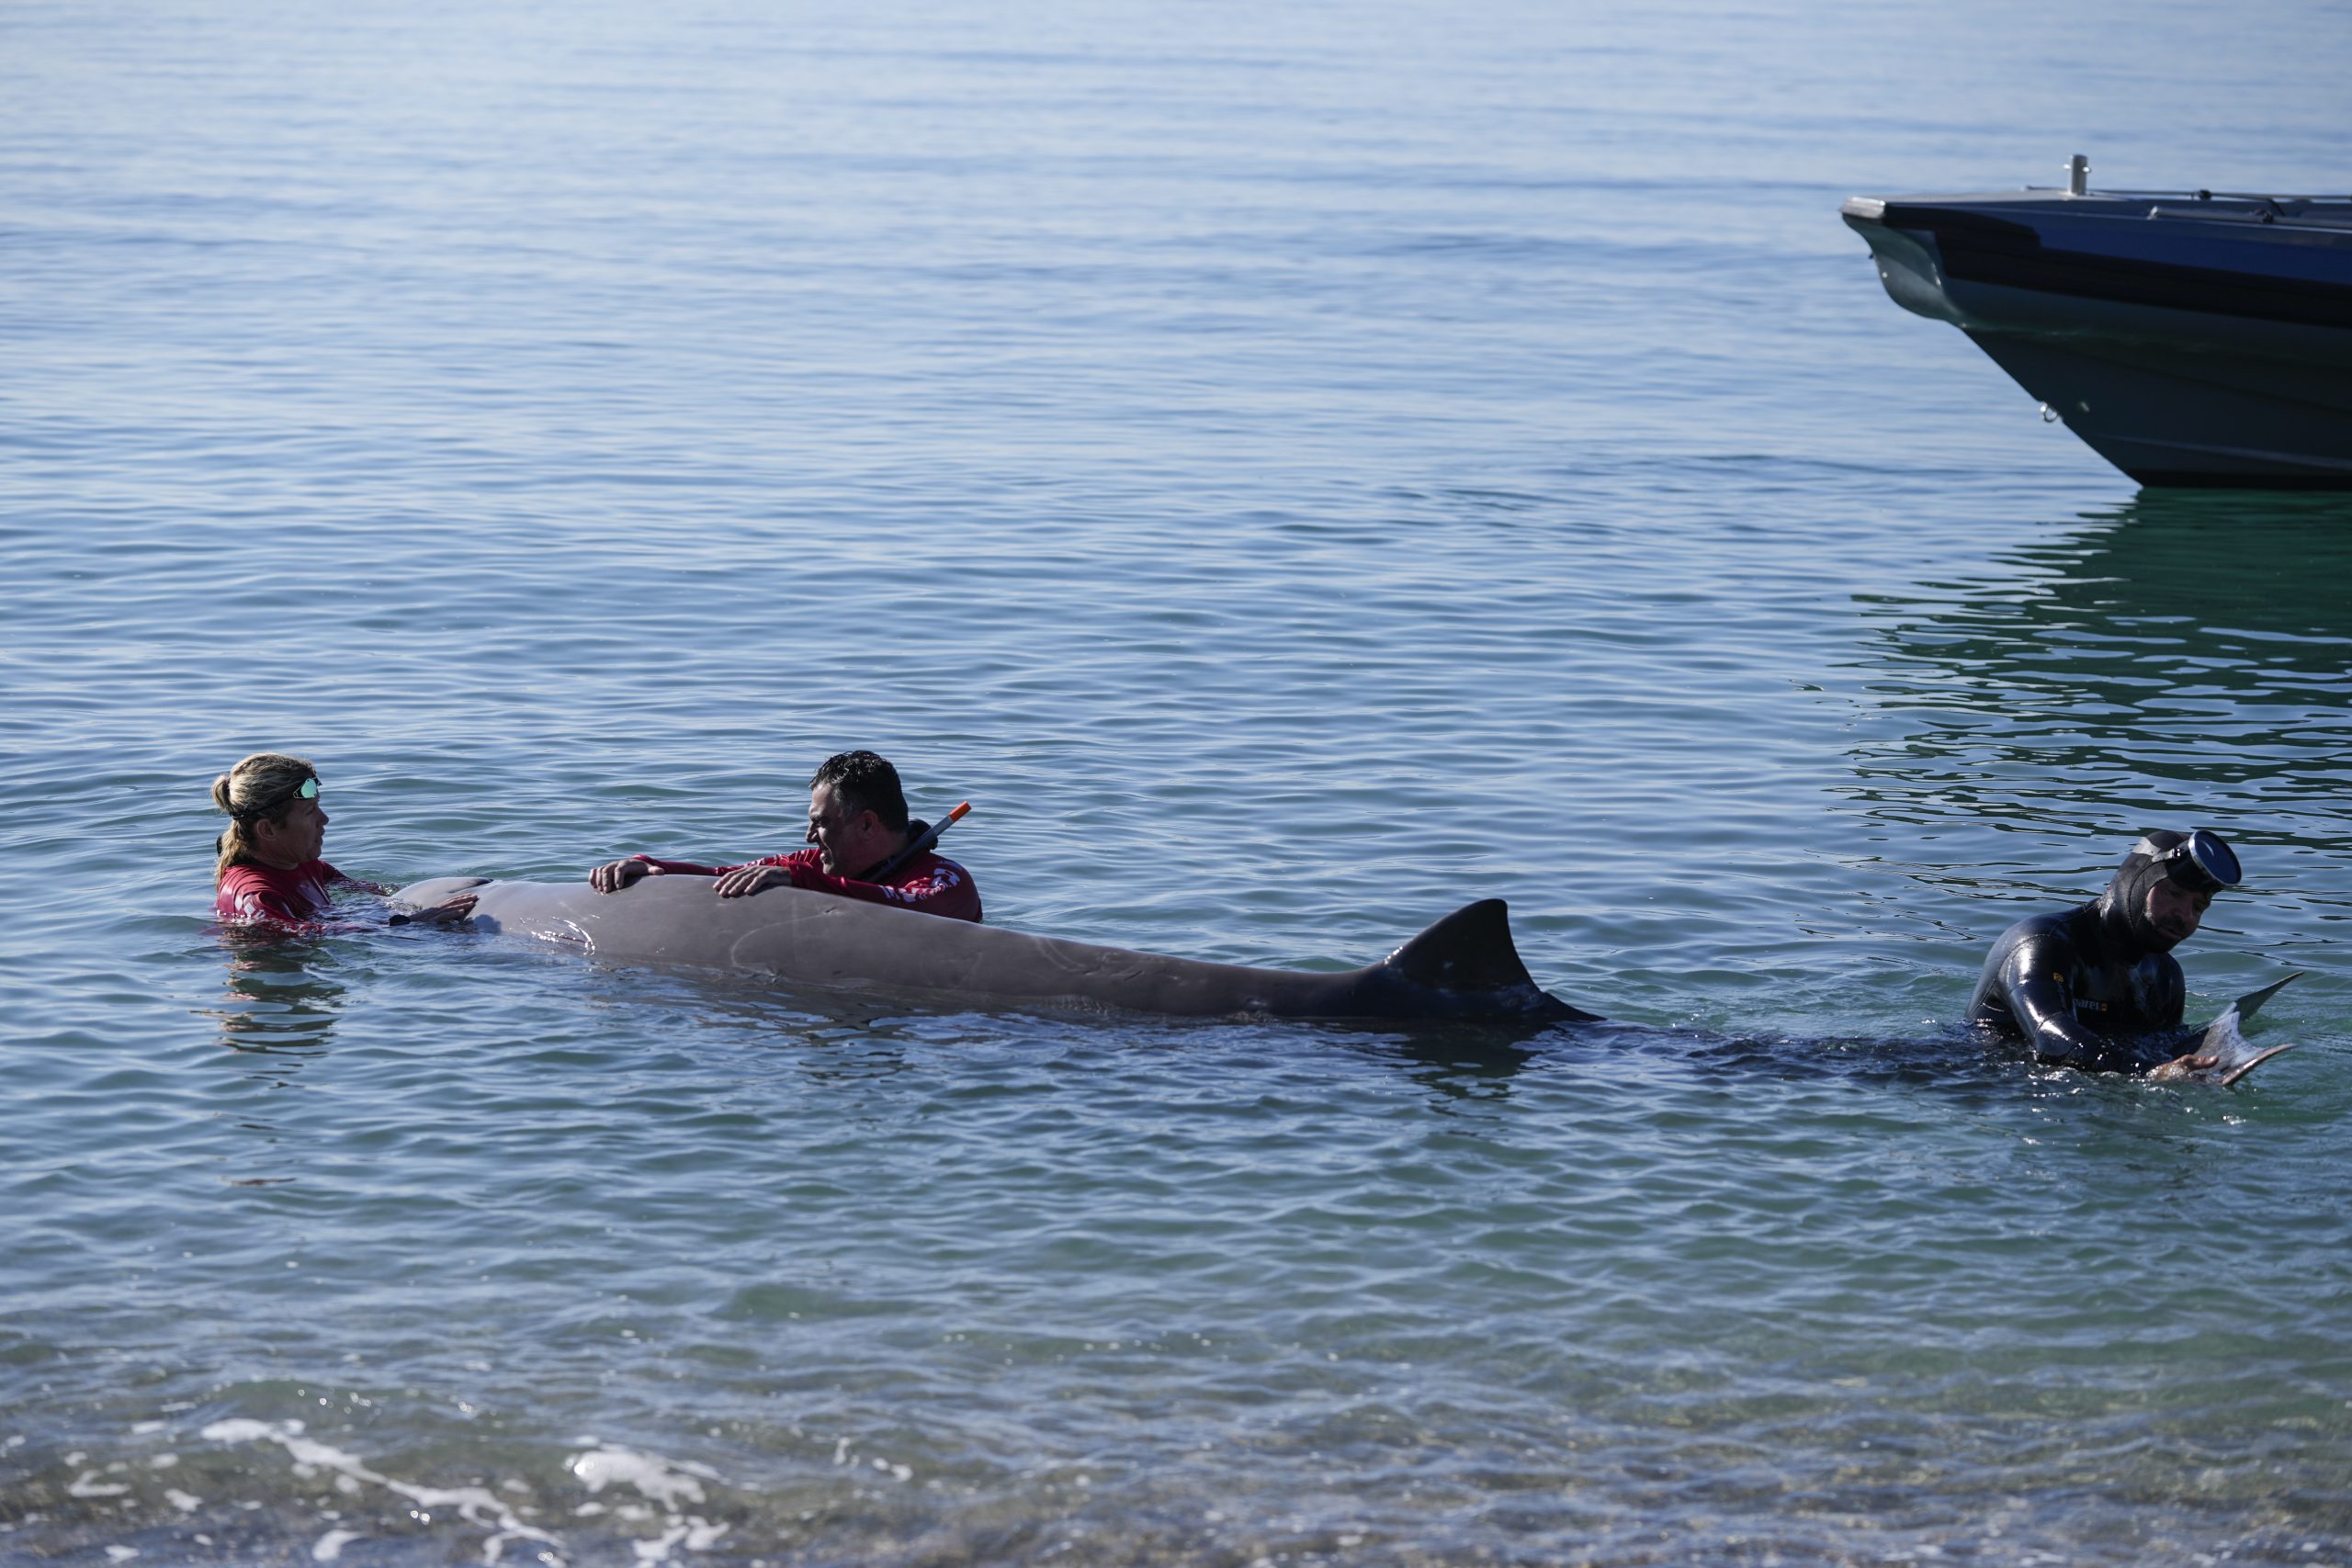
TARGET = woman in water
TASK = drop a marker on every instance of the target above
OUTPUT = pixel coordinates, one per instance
(269, 868)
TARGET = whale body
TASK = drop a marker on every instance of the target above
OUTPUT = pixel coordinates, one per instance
(1465, 968)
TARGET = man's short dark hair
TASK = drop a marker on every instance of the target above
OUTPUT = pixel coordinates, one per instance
(862, 781)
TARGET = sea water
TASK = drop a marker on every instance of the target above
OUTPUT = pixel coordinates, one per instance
(1295, 468)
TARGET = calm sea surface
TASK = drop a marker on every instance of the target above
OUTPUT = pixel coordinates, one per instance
(1295, 468)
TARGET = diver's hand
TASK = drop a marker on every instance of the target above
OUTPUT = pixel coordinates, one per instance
(614, 875)
(2181, 1067)
(449, 912)
(751, 879)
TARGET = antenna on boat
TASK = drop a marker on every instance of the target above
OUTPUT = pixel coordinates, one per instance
(2078, 175)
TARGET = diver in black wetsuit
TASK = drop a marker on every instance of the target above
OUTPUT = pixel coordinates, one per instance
(2089, 984)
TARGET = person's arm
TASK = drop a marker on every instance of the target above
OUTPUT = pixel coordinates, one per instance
(345, 879)
(935, 887)
(2043, 1008)
(614, 875)
(757, 875)
(265, 910)
(931, 885)
(268, 907)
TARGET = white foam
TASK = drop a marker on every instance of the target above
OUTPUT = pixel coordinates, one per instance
(185, 1502)
(694, 1534)
(665, 1482)
(475, 1505)
(661, 1481)
(243, 1431)
(670, 1485)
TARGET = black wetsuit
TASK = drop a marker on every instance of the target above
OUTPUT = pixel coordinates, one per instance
(2093, 986)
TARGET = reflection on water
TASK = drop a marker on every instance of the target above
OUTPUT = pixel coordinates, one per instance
(1466, 1065)
(281, 994)
(2275, 565)
(2176, 658)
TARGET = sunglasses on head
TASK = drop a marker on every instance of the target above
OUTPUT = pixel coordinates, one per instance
(307, 790)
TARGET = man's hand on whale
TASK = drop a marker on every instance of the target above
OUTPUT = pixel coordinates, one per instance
(2181, 1067)
(614, 875)
(751, 879)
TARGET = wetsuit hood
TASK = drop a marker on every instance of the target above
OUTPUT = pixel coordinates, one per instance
(2198, 861)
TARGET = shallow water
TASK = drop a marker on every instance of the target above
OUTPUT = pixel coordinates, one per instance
(1295, 472)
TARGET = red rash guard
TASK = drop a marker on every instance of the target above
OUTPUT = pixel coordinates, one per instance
(928, 882)
(296, 898)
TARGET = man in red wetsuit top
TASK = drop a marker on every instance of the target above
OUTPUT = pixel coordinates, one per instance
(857, 821)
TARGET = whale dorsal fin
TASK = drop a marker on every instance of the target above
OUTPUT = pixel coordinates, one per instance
(1470, 950)
(1470, 953)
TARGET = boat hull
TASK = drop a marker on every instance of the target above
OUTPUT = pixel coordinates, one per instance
(2190, 342)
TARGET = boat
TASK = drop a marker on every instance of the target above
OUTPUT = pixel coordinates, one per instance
(2189, 338)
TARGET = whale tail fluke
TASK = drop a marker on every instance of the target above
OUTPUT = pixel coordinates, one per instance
(2249, 1004)
(2224, 1039)
(1469, 956)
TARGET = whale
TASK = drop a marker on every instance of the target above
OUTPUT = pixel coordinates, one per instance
(1463, 969)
